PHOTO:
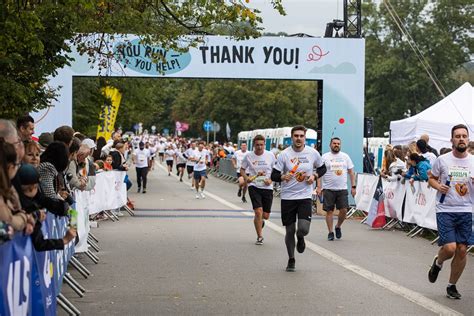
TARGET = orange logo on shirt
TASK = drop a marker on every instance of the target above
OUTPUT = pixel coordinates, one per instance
(461, 189)
(300, 176)
(338, 172)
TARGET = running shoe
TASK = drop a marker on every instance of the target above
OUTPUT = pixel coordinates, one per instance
(181, 180)
(338, 232)
(244, 200)
(452, 292)
(331, 236)
(203, 196)
(139, 189)
(300, 245)
(144, 191)
(198, 196)
(239, 193)
(291, 265)
(259, 241)
(434, 271)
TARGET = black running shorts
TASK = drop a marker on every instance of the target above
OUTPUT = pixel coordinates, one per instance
(290, 209)
(261, 198)
(169, 163)
(190, 169)
(180, 165)
(338, 198)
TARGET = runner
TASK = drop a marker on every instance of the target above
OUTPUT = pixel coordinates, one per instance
(452, 176)
(141, 159)
(259, 165)
(161, 147)
(334, 186)
(188, 154)
(170, 157)
(295, 170)
(237, 159)
(180, 162)
(200, 158)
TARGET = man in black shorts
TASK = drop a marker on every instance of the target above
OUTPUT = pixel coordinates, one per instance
(334, 186)
(259, 164)
(295, 169)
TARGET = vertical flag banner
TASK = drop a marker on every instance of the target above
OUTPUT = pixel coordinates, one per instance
(227, 130)
(181, 126)
(376, 216)
(109, 113)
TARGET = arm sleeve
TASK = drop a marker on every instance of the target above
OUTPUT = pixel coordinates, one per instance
(423, 172)
(47, 183)
(276, 175)
(321, 170)
(42, 244)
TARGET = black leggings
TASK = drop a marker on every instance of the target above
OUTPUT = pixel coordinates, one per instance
(141, 175)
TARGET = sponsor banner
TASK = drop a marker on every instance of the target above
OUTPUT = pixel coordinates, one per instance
(366, 186)
(83, 201)
(376, 214)
(420, 205)
(109, 113)
(394, 193)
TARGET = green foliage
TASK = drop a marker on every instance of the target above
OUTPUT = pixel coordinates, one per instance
(245, 104)
(395, 79)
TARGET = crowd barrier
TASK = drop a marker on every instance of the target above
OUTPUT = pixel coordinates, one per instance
(402, 201)
(227, 170)
(31, 281)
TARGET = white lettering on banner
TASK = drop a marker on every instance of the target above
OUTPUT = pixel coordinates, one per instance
(59, 262)
(47, 270)
(420, 205)
(394, 193)
(18, 297)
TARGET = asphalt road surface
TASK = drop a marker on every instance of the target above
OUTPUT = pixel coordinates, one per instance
(184, 256)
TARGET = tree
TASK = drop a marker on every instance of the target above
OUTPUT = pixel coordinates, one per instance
(395, 78)
(36, 35)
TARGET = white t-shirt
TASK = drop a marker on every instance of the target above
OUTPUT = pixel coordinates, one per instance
(180, 157)
(141, 157)
(302, 165)
(259, 165)
(430, 157)
(189, 153)
(161, 148)
(239, 157)
(169, 154)
(337, 165)
(200, 157)
(460, 195)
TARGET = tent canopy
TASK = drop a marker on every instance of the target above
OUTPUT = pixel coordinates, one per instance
(437, 120)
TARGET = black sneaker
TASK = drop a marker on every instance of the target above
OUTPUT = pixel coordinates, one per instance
(244, 200)
(291, 265)
(259, 241)
(138, 191)
(300, 245)
(144, 191)
(239, 193)
(434, 271)
(338, 232)
(452, 292)
(331, 236)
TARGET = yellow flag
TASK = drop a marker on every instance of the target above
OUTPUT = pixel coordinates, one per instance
(109, 113)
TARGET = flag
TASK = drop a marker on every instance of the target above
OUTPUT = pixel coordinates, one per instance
(227, 130)
(376, 216)
(181, 126)
(109, 113)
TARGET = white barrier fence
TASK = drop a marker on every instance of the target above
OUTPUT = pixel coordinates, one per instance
(109, 193)
(419, 200)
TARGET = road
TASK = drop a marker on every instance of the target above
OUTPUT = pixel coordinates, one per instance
(184, 256)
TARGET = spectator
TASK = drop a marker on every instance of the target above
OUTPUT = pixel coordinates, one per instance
(396, 166)
(368, 161)
(423, 149)
(44, 140)
(418, 170)
(64, 134)
(54, 161)
(26, 127)
(32, 153)
(426, 138)
(10, 208)
(79, 169)
(97, 154)
(10, 135)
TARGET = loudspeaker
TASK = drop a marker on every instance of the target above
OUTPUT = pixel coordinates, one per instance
(368, 127)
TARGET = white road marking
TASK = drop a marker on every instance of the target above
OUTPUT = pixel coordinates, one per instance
(394, 287)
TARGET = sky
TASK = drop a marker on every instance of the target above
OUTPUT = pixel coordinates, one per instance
(303, 16)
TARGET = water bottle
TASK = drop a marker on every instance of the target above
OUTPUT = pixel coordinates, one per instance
(448, 182)
(73, 218)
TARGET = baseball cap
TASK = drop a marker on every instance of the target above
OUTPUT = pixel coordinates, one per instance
(89, 143)
(45, 139)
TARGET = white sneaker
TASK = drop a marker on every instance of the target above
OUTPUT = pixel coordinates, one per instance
(202, 195)
(198, 196)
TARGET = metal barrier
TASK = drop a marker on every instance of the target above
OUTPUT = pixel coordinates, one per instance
(226, 170)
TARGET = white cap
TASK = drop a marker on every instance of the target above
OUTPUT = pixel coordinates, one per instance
(89, 143)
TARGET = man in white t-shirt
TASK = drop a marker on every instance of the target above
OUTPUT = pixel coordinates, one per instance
(295, 169)
(452, 176)
(188, 154)
(141, 159)
(333, 186)
(256, 169)
(199, 157)
(237, 159)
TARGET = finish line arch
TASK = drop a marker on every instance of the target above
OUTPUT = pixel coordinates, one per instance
(339, 63)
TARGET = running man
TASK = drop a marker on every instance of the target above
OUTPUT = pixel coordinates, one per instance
(180, 162)
(141, 159)
(334, 186)
(237, 159)
(295, 169)
(259, 165)
(200, 158)
(170, 156)
(188, 154)
(452, 176)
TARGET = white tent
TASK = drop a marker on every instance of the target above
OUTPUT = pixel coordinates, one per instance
(437, 120)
